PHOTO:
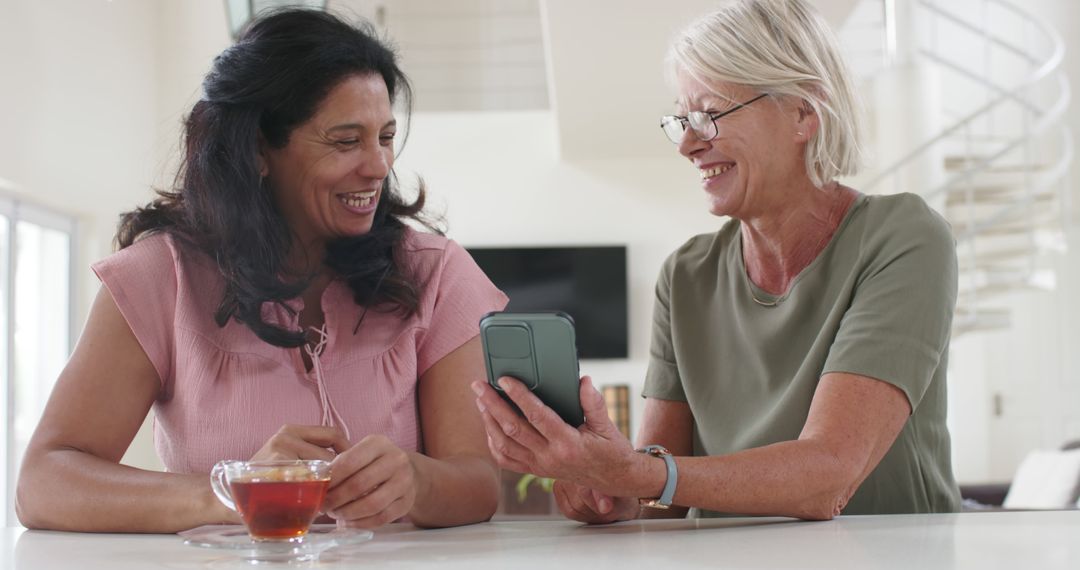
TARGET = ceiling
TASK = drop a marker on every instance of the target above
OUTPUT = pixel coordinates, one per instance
(597, 64)
(465, 55)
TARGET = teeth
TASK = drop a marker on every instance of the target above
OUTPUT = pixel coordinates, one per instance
(358, 199)
(715, 171)
(368, 194)
(356, 203)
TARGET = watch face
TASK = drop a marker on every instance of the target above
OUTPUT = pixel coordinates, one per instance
(651, 503)
(655, 450)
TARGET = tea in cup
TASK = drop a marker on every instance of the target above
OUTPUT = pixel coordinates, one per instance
(277, 500)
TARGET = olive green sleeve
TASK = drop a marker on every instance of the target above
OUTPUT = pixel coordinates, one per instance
(899, 321)
(662, 379)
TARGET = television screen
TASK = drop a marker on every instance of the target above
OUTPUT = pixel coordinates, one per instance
(587, 283)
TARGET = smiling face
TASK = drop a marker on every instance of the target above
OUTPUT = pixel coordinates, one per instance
(756, 158)
(328, 179)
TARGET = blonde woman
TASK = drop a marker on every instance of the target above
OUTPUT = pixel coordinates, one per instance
(798, 354)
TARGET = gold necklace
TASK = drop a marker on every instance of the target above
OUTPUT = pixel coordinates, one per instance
(763, 303)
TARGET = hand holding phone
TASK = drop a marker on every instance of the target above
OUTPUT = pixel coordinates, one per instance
(539, 349)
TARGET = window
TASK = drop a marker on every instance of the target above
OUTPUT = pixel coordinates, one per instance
(37, 249)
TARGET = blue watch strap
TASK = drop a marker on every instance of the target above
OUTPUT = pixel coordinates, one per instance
(668, 494)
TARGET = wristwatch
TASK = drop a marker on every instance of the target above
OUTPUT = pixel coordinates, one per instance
(664, 500)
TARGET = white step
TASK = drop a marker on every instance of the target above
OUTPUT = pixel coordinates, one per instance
(1011, 228)
(993, 258)
(983, 319)
(1000, 280)
(1044, 240)
(961, 217)
(996, 194)
(959, 162)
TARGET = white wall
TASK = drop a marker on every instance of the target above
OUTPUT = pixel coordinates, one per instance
(190, 33)
(78, 90)
(77, 103)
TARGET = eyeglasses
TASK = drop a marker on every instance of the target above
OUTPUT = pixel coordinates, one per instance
(703, 124)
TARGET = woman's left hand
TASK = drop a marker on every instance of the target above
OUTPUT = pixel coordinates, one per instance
(595, 455)
(372, 483)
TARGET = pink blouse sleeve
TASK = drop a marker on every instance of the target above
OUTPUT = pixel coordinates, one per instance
(142, 281)
(462, 295)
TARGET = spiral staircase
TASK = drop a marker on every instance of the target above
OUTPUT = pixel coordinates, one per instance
(1000, 153)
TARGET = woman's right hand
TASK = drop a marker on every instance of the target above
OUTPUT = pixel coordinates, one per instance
(590, 506)
(303, 442)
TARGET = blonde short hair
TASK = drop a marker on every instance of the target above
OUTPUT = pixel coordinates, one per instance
(783, 48)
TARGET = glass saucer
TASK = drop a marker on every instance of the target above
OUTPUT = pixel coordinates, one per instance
(234, 538)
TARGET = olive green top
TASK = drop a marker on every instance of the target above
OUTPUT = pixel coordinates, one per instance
(877, 301)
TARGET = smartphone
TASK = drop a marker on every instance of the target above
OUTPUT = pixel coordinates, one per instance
(540, 350)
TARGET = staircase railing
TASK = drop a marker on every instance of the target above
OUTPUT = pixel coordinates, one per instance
(1004, 214)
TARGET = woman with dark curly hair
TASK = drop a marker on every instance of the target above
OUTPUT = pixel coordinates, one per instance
(276, 305)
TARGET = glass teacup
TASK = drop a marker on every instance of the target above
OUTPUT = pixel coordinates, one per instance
(277, 500)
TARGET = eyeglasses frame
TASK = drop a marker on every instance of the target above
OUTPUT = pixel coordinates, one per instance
(685, 120)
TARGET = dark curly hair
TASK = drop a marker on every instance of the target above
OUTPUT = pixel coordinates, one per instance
(271, 81)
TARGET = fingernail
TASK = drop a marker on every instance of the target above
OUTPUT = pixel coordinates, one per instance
(477, 388)
(605, 506)
(480, 406)
(504, 383)
(332, 514)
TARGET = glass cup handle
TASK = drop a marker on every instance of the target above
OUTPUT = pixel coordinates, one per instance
(220, 485)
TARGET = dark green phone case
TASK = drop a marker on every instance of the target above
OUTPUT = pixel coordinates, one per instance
(540, 350)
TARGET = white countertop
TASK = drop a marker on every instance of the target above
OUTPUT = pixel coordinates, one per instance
(1014, 540)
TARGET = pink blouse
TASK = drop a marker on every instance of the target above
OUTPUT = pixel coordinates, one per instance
(224, 392)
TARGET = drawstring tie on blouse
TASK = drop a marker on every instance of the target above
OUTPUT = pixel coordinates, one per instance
(330, 415)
